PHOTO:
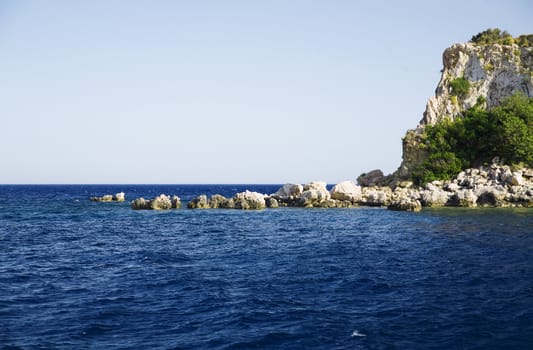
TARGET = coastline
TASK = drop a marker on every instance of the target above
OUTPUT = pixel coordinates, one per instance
(495, 186)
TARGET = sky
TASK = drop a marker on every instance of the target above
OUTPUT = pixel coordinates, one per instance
(180, 92)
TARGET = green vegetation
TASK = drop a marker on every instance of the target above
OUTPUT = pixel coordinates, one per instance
(489, 67)
(454, 100)
(524, 40)
(460, 87)
(505, 131)
(493, 36)
(497, 36)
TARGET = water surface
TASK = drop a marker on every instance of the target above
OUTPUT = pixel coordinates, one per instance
(77, 274)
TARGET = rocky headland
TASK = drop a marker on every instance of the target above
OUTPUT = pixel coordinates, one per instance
(477, 77)
(479, 73)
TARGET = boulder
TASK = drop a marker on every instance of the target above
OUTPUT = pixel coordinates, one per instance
(406, 204)
(161, 202)
(176, 202)
(434, 198)
(289, 191)
(249, 200)
(527, 173)
(506, 175)
(516, 179)
(346, 191)
(140, 204)
(489, 196)
(119, 197)
(104, 198)
(464, 198)
(372, 178)
(376, 196)
(271, 202)
(219, 201)
(314, 193)
(199, 202)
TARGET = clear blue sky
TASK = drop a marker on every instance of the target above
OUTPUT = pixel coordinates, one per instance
(222, 91)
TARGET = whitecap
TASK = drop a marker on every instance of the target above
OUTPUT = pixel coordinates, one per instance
(356, 333)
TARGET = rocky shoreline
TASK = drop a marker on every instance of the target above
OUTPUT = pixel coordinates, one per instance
(489, 186)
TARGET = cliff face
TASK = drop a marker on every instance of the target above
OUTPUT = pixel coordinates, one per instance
(491, 73)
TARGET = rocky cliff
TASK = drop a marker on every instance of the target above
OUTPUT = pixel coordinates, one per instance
(472, 73)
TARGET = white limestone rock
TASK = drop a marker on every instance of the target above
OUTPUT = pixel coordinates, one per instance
(161, 202)
(517, 179)
(346, 191)
(199, 202)
(494, 72)
(289, 191)
(315, 193)
(249, 200)
(119, 197)
(435, 198)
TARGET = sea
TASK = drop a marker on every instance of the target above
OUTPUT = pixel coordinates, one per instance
(76, 274)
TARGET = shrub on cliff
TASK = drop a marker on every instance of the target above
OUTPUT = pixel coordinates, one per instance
(493, 36)
(514, 119)
(505, 131)
(460, 87)
(524, 40)
(497, 36)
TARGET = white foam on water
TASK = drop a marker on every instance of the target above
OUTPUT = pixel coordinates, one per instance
(356, 333)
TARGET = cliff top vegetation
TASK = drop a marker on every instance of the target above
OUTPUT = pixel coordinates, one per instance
(502, 37)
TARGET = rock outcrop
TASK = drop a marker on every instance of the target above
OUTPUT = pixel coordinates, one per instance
(372, 178)
(314, 194)
(161, 202)
(489, 186)
(249, 200)
(405, 204)
(492, 73)
(216, 201)
(346, 191)
(493, 186)
(118, 197)
(244, 200)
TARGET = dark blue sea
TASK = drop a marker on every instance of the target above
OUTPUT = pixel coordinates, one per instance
(81, 275)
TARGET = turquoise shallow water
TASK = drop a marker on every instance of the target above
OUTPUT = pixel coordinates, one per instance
(77, 274)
